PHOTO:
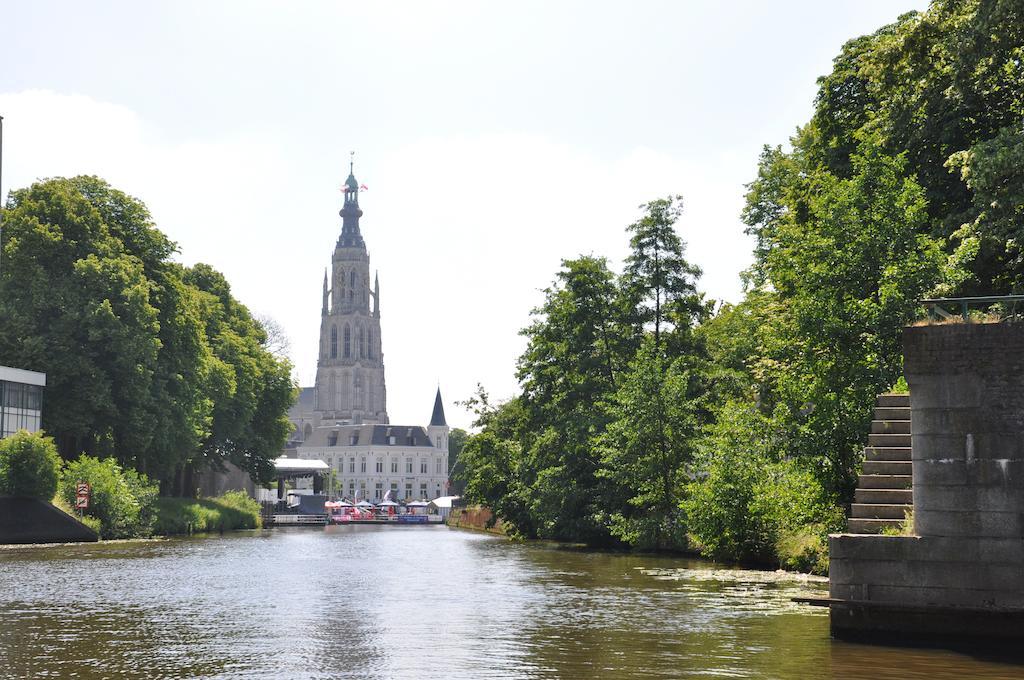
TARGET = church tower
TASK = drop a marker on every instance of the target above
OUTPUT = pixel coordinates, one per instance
(350, 370)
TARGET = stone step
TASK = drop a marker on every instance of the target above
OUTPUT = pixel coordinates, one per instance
(892, 413)
(887, 467)
(888, 440)
(896, 511)
(887, 453)
(890, 427)
(889, 399)
(871, 526)
(884, 496)
(885, 482)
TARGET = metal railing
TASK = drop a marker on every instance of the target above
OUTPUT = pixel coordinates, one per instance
(998, 308)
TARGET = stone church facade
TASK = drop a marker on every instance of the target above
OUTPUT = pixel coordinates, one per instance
(343, 419)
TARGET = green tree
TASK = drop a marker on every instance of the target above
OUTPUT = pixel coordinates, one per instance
(77, 305)
(147, 361)
(29, 466)
(845, 261)
(456, 442)
(931, 85)
(567, 371)
(251, 388)
(658, 285)
(492, 466)
(647, 450)
(994, 172)
(726, 517)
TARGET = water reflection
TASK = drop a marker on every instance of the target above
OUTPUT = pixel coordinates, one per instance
(418, 602)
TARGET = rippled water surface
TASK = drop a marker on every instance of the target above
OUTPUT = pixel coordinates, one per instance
(418, 603)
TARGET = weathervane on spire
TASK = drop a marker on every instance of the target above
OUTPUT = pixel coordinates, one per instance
(350, 188)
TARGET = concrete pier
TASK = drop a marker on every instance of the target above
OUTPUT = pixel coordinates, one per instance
(962, 575)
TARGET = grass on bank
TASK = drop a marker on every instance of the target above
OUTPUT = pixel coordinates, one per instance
(231, 511)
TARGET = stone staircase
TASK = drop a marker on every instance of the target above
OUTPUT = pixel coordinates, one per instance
(884, 493)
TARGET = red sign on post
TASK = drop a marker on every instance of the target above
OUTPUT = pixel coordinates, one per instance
(82, 495)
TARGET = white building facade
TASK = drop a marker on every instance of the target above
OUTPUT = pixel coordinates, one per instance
(343, 420)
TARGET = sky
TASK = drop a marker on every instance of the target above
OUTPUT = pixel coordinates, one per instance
(496, 139)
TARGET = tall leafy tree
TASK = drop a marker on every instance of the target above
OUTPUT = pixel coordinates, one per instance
(647, 449)
(658, 285)
(252, 389)
(567, 372)
(76, 303)
(144, 359)
(845, 267)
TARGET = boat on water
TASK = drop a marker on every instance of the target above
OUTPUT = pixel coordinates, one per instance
(385, 512)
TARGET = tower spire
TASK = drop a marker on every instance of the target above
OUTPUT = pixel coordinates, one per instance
(350, 212)
(376, 296)
(437, 417)
(324, 311)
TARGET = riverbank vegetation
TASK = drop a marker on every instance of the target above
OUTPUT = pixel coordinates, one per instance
(228, 512)
(148, 362)
(654, 418)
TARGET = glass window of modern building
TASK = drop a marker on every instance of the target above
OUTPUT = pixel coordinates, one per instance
(21, 400)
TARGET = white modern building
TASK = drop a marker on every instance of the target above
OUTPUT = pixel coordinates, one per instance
(21, 400)
(343, 420)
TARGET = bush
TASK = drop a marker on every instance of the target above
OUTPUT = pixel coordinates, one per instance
(29, 466)
(747, 505)
(723, 514)
(804, 549)
(231, 511)
(121, 499)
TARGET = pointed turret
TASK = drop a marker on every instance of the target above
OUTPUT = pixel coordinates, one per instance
(376, 296)
(324, 311)
(437, 417)
(438, 428)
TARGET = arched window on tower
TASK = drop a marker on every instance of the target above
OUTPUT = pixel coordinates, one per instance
(351, 285)
(369, 343)
(362, 347)
(348, 342)
(334, 342)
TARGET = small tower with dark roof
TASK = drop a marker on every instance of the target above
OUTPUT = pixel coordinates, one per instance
(438, 428)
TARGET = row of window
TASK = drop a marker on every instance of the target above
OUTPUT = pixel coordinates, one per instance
(366, 349)
(379, 464)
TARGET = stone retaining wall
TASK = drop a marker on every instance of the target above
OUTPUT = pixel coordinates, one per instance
(28, 520)
(963, 572)
(475, 517)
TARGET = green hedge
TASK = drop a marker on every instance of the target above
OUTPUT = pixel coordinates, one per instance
(233, 510)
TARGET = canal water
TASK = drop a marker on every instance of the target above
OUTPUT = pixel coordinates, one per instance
(419, 603)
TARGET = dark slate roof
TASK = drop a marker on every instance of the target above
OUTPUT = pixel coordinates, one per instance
(437, 417)
(376, 435)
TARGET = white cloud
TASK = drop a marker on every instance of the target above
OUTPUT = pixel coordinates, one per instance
(464, 230)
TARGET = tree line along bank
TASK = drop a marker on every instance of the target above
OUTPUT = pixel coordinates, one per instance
(652, 418)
